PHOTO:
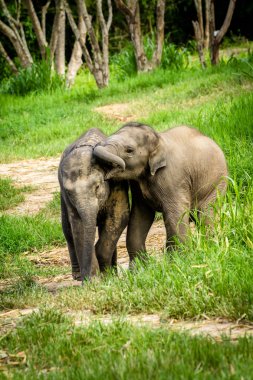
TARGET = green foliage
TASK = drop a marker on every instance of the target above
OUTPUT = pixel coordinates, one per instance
(174, 57)
(39, 77)
(56, 349)
(123, 64)
(10, 196)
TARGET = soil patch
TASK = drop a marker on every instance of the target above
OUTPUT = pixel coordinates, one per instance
(39, 173)
(119, 111)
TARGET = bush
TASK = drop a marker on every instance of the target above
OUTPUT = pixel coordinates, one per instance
(174, 57)
(38, 77)
(123, 64)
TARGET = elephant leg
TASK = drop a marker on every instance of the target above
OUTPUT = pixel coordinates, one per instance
(114, 259)
(106, 251)
(206, 212)
(176, 220)
(141, 219)
(111, 226)
(66, 227)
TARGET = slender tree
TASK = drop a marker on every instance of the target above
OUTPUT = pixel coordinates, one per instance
(12, 28)
(217, 36)
(97, 59)
(131, 10)
(205, 31)
(76, 56)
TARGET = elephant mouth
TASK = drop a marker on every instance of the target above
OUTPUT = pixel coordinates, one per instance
(105, 153)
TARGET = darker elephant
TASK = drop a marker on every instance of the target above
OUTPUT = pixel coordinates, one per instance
(87, 201)
(173, 172)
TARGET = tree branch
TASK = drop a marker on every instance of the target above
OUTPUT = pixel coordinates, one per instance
(37, 27)
(8, 59)
(109, 20)
(227, 21)
(125, 9)
(79, 36)
(43, 18)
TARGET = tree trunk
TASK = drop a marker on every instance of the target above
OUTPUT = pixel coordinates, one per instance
(25, 59)
(131, 11)
(200, 45)
(60, 46)
(207, 22)
(157, 56)
(76, 57)
(8, 59)
(14, 32)
(37, 27)
(198, 27)
(216, 37)
(98, 64)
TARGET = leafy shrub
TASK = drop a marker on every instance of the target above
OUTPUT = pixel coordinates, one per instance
(123, 64)
(174, 57)
(38, 77)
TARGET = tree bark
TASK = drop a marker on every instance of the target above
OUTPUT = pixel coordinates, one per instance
(43, 18)
(198, 27)
(14, 32)
(25, 60)
(160, 11)
(98, 63)
(12, 65)
(37, 27)
(76, 57)
(199, 39)
(216, 38)
(131, 11)
(60, 45)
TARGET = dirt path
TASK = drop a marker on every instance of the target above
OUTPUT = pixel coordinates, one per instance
(41, 174)
(215, 328)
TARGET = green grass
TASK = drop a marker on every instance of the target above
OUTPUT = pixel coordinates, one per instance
(43, 124)
(56, 349)
(21, 234)
(11, 196)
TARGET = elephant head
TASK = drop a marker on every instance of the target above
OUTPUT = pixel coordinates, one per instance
(133, 150)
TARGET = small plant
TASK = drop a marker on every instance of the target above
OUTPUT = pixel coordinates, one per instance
(174, 57)
(123, 64)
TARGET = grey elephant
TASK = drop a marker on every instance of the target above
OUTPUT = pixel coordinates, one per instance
(173, 172)
(88, 200)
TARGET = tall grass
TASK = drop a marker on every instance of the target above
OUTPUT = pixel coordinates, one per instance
(37, 78)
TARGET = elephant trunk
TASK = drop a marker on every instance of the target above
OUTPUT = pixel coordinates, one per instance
(85, 246)
(104, 153)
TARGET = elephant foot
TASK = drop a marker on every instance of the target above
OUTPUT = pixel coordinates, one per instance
(76, 276)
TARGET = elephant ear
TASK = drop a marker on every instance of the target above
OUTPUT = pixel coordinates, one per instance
(157, 159)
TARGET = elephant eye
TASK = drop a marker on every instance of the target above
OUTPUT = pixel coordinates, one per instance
(129, 149)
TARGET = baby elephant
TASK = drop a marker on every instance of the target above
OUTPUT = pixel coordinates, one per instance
(88, 200)
(173, 172)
